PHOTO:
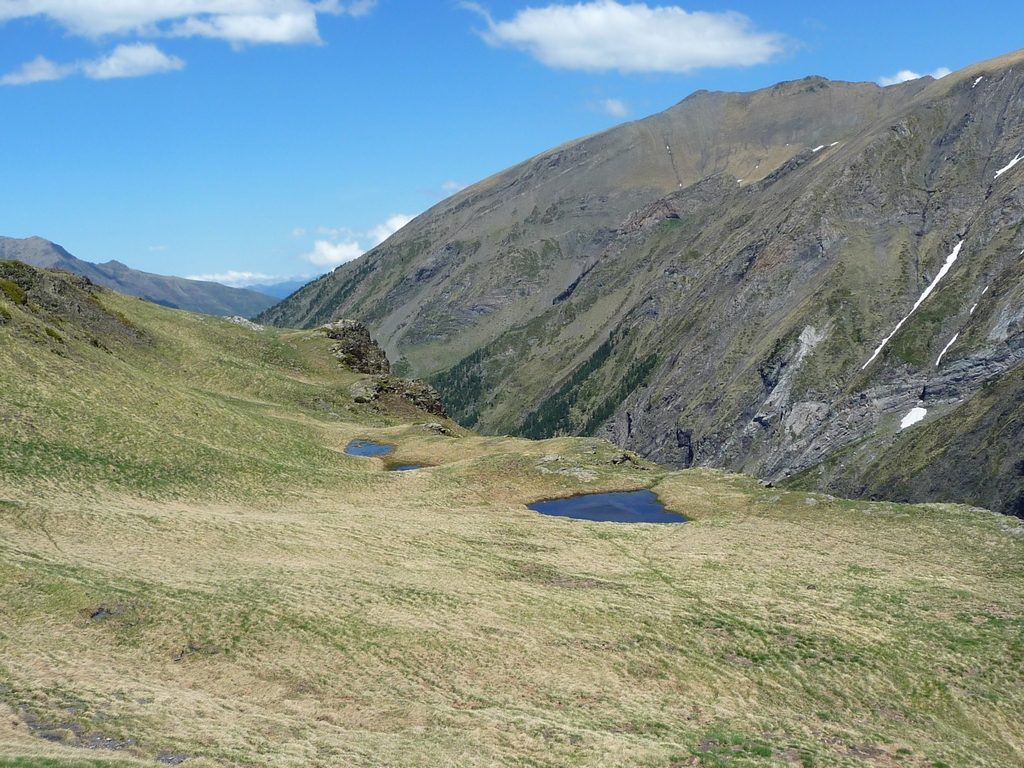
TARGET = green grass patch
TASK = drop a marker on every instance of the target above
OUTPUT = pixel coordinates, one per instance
(14, 292)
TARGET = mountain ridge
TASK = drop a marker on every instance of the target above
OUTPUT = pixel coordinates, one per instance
(727, 321)
(174, 292)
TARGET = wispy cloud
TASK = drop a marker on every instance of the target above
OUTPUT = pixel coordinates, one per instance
(237, 21)
(282, 29)
(342, 245)
(242, 279)
(607, 35)
(134, 60)
(612, 107)
(39, 70)
(328, 254)
(451, 186)
(383, 231)
(235, 279)
(908, 74)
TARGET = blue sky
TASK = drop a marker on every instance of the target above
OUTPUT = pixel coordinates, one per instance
(203, 137)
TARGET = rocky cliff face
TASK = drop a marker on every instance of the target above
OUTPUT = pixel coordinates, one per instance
(769, 282)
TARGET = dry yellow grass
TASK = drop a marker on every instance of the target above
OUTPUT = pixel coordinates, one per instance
(287, 605)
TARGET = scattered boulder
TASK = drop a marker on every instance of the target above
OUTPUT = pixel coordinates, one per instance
(355, 348)
(420, 394)
(627, 457)
(439, 429)
(417, 393)
(238, 320)
(578, 473)
(104, 611)
(171, 758)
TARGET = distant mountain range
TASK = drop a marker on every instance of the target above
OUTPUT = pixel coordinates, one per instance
(177, 292)
(280, 290)
(820, 283)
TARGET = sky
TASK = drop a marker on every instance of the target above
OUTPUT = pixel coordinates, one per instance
(262, 140)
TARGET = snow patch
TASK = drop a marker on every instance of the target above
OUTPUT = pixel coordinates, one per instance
(950, 260)
(978, 81)
(915, 415)
(834, 144)
(945, 349)
(986, 290)
(973, 308)
(818, 148)
(1009, 165)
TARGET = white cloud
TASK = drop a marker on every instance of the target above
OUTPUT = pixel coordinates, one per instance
(336, 233)
(236, 279)
(908, 74)
(283, 28)
(382, 232)
(135, 60)
(328, 254)
(237, 21)
(613, 107)
(342, 244)
(241, 279)
(355, 8)
(607, 35)
(299, 232)
(451, 186)
(39, 70)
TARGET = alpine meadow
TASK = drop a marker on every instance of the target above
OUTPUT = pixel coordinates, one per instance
(694, 441)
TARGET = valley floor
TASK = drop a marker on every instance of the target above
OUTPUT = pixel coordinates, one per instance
(428, 618)
(193, 572)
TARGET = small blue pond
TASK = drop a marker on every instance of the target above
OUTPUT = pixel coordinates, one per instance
(404, 467)
(622, 507)
(368, 448)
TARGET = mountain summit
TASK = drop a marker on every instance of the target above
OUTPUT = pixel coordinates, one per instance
(819, 283)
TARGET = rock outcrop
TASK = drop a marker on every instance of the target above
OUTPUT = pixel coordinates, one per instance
(355, 348)
(245, 323)
(418, 393)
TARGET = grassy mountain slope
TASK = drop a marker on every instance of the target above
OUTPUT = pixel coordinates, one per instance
(501, 250)
(727, 324)
(177, 292)
(192, 570)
